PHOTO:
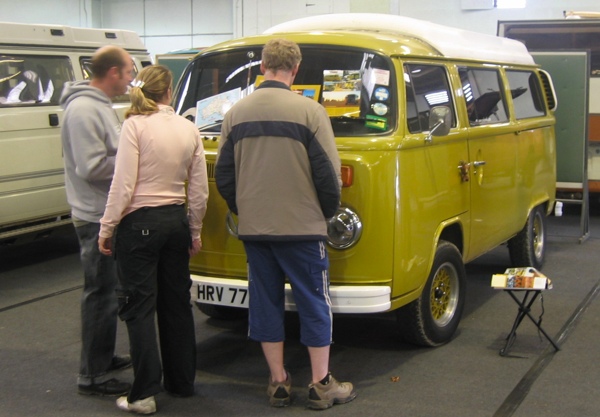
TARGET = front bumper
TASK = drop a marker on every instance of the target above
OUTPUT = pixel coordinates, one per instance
(344, 298)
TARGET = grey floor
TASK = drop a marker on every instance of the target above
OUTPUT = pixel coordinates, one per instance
(40, 286)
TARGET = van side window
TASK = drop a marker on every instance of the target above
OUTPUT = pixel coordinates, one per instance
(426, 87)
(483, 95)
(32, 79)
(86, 64)
(526, 94)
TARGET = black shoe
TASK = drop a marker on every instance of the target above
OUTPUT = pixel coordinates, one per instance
(111, 388)
(120, 362)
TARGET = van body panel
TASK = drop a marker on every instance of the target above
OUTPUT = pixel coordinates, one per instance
(430, 192)
(222, 253)
(371, 260)
(26, 35)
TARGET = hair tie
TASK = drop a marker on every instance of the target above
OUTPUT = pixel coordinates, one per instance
(137, 83)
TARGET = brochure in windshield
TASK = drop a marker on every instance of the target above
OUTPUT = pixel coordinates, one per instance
(211, 111)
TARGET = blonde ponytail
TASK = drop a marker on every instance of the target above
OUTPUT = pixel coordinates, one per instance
(150, 87)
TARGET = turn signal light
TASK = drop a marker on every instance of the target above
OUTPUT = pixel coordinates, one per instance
(347, 176)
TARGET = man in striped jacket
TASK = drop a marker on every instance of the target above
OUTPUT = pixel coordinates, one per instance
(279, 171)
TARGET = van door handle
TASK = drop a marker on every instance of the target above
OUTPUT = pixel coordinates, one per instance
(478, 163)
(53, 119)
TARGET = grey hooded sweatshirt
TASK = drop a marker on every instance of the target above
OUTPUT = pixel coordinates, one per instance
(90, 134)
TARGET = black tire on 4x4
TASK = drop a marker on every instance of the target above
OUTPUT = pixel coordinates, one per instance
(432, 319)
(528, 247)
(221, 312)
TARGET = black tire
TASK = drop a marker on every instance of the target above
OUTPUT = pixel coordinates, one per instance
(432, 319)
(528, 247)
(222, 313)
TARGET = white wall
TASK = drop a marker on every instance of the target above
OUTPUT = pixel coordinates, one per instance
(62, 12)
(254, 16)
(163, 25)
(449, 12)
(167, 25)
(171, 25)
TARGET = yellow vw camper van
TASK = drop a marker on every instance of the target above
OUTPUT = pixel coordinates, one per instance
(35, 62)
(447, 144)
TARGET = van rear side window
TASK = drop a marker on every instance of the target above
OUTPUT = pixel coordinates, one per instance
(32, 79)
(483, 95)
(526, 93)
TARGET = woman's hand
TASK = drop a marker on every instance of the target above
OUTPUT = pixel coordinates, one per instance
(196, 247)
(105, 245)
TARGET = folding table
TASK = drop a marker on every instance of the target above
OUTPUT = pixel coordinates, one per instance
(524, 303)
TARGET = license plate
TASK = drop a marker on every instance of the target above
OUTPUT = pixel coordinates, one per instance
(222, 295)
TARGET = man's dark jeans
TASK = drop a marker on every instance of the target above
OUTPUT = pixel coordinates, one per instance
(98, 307)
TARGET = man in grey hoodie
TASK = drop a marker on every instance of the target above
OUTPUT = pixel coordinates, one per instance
(90, 134)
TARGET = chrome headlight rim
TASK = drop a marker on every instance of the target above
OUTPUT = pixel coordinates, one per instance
(349, 221)
(231, 224)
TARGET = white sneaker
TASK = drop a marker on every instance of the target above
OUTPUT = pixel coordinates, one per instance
(145, 406)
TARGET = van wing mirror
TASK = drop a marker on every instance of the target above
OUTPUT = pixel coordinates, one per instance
(440, 119)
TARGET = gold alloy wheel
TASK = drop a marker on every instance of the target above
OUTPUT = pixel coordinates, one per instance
(444, 294)
(538, 235)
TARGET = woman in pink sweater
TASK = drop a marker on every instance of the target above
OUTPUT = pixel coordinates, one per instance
(155, 235)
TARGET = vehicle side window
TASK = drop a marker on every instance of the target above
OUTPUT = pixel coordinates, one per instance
(526, 94)
(426, 87)
(86, 64)
(27, 80)
(483, 95)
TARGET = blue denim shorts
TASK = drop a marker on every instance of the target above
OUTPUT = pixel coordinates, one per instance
(305, 264)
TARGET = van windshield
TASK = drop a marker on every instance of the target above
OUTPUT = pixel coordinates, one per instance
(356, 87)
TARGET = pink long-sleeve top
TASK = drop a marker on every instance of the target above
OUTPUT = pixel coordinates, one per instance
(157, 153)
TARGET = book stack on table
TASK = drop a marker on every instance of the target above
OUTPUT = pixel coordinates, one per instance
(525, 278)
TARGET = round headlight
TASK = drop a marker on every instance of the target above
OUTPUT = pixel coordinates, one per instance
(343, 229)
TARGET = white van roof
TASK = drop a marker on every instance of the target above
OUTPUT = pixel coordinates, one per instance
(68, 36)
(448, 41)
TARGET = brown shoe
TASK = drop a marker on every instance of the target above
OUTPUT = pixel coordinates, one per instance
(329, 391)
(279, 392)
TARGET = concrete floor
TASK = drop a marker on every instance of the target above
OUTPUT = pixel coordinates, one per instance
(40, 286)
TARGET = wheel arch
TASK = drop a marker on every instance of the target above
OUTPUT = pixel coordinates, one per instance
(452, 233)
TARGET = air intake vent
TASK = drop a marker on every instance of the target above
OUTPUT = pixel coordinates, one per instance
(57, 32)
(549, 90)
(210, 169)
(110, 35)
